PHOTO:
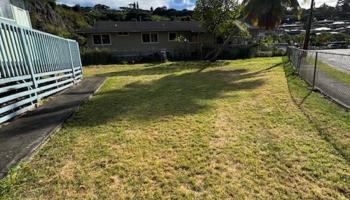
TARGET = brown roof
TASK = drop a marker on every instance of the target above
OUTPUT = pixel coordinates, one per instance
(146, 26)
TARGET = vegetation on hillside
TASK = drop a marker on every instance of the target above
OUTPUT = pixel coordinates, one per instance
(64, 21)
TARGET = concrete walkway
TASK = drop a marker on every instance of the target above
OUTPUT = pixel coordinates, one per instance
(21, 137)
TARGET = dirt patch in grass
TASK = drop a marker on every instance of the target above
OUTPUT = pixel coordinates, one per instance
(228, 130)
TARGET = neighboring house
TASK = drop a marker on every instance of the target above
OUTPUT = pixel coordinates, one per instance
(318, 27)
(147, 38)
(14, 11)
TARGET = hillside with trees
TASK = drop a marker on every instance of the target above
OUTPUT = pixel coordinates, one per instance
(64, 20)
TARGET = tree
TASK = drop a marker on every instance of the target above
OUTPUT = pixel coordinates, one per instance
(268, 13)
(101, 7)
(77, 8)
(325, 12)
(220, 18)
(343, 5)
(340, 3)
(132, 5)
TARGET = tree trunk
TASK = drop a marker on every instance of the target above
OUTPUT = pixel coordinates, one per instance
(308, 28)
(213, 55)
(220, 49)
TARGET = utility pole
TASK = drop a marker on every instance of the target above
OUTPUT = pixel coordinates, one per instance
(308, 27)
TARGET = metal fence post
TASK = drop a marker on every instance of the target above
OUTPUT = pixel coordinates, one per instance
(80, 62)
(315, 71)
(289, 54)
(71, 60)
(300, 55)
(29, 62)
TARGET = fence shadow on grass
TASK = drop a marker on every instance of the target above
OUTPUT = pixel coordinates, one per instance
(323, 114)
(168, 68)
(172, 95)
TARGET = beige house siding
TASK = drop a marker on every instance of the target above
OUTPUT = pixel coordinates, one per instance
(132, 44)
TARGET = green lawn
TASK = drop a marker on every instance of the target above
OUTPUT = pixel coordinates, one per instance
(193, 130)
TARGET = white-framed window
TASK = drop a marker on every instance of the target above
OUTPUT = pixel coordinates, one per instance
(150, 38)
(172, 37)
(123, 34)
(103, 39)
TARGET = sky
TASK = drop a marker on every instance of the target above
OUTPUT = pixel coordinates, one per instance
(147, 4)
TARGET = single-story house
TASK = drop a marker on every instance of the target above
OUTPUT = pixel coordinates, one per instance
(148, 37)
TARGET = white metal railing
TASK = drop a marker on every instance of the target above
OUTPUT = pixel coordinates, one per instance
(33, 65)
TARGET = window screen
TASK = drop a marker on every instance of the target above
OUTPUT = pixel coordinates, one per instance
(102, 39)
(154, 37)
(106, 39)
(150, 37)
(172, 36)
(146, 38)
(97, 39)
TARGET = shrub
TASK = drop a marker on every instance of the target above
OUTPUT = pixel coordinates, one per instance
(98, 57)
(104, 57)
(239, 52)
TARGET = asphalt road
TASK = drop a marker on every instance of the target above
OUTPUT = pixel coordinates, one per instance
(341, 62)
(340, 51)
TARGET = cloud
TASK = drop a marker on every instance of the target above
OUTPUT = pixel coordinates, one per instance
(318, 3)
(183, 4)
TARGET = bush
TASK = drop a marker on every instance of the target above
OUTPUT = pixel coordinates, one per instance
(269, 51)
(98, 57)
(239, 52)
(264, 54)
(104, 57)
(279, 52)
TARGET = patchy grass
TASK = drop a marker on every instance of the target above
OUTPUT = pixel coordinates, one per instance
(332, 121)
(228, 130)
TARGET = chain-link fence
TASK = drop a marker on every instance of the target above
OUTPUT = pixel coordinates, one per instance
(327, 72)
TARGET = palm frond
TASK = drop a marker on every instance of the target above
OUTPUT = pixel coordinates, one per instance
(268, 13)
